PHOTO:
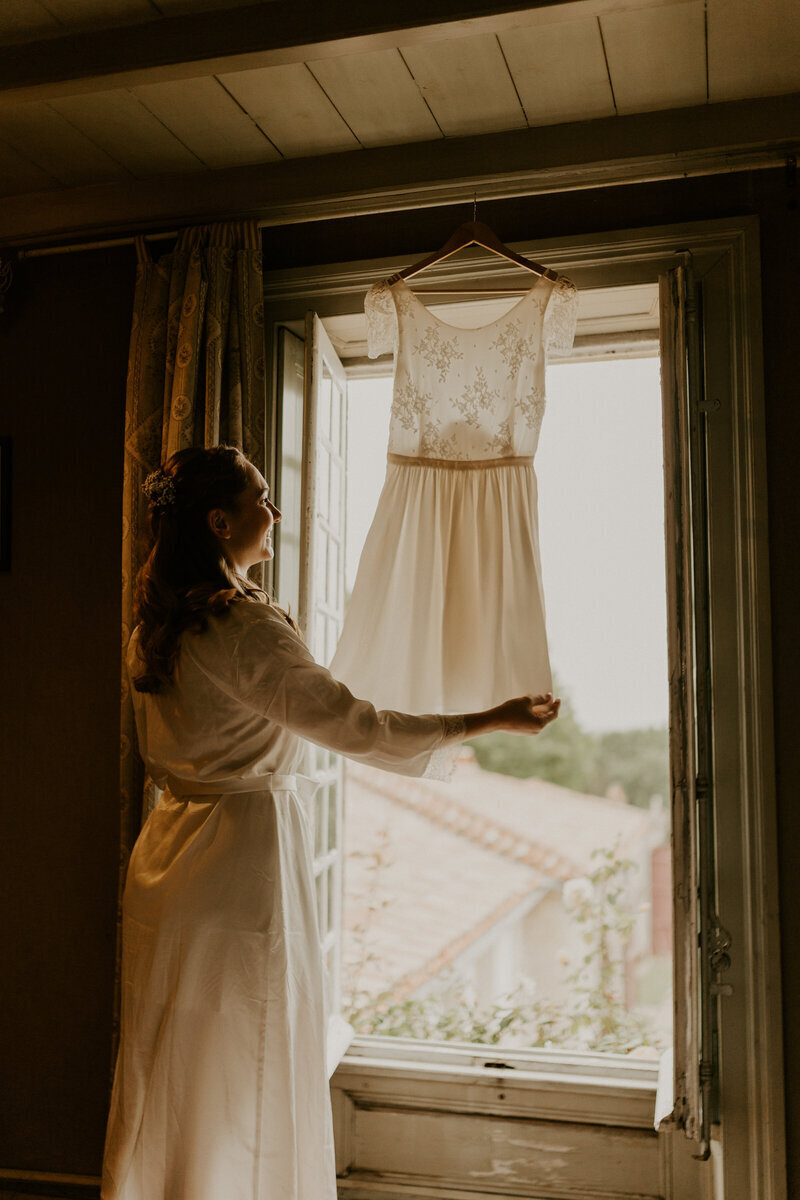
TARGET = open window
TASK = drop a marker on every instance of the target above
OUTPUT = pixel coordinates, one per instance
(394, 1097)
(311, 573)
(700, 942)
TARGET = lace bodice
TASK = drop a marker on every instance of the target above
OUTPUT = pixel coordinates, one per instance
(469, 394)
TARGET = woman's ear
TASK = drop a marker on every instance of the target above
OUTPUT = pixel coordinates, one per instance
(218, 524)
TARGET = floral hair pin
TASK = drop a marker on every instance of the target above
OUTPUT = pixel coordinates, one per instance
(159, 487)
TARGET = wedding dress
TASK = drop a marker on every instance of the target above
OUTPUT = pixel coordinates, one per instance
(447, 612)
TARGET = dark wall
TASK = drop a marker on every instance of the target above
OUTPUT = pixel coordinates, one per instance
(62, 358)
(63, 351)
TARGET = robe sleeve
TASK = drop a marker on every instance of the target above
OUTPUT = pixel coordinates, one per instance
(561, 316)
(274, 673)
(381, 316)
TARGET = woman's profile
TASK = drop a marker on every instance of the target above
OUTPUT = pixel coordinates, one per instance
(221, 1089)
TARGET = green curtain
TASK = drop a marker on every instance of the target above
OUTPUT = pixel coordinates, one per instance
(196, 377)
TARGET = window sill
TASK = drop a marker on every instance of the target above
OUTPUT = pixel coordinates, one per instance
(579, 1087)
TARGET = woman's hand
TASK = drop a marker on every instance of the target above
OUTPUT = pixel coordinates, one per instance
(523, 714)
(528, 714)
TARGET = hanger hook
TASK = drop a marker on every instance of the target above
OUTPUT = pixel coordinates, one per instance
(474, 206)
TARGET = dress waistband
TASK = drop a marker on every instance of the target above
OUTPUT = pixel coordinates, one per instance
(255, 783)
(459, 464)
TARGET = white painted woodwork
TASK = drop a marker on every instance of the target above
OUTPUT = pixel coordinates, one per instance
(602, 311)
(19, 175)
(320, 617)
(194, 44)
(753, 48)
(560, 71)
(583, 1086)
(42, 135)
(544, 66)
(547, 1158)
(121, 125)
(656, 57)
(208, 121)
(684, 612)
(377, 96)
(751, 1153)
(292, 109)
(466, 84)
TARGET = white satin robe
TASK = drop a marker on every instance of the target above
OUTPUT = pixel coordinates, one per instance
(221, 1089)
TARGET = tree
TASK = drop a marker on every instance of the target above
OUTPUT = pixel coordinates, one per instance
(637, 760)
(565, 755)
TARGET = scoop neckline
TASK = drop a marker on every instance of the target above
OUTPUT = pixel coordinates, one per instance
(472, 328)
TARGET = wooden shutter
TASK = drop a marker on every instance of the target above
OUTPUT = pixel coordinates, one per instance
(320, 616)
(697, 934)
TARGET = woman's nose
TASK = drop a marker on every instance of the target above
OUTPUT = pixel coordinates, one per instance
(276, 512)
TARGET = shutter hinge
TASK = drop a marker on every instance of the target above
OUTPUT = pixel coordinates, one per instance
(719, 943)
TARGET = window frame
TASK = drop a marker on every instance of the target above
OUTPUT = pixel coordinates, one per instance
(747, 1146)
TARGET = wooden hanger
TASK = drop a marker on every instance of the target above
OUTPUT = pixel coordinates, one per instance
(473, 233)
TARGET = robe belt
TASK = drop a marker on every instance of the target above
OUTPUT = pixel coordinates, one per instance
(254, 783)
(459, 464)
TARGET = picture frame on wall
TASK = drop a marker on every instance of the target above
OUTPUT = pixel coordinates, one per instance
(5, 503)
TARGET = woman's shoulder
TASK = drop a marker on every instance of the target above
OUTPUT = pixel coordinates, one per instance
(257, 613)
(260, 624)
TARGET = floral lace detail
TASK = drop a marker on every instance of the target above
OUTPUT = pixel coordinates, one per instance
(561, 316)
(532, 407)
(409, 404)
(438, 351)
(381, 318)
(513, 346)
(477, 397)
(502, 444)
(442, 762)
(405, 300)
(432, 444)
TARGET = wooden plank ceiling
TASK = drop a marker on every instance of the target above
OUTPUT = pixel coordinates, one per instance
(567, 63)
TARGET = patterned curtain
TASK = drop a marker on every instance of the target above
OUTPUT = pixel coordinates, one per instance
(195, 378)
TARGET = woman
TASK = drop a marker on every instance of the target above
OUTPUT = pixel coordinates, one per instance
(221, 1090)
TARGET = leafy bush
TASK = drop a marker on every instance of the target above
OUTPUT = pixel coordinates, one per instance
(593, 1018)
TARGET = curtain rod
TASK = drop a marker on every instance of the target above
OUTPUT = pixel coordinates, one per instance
(70, 247)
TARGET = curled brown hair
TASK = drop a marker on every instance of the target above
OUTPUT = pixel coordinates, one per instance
(186, 576)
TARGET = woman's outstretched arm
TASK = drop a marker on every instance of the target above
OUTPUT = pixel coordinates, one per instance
(274, 673)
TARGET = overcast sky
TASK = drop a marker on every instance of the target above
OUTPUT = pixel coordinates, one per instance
(601, 526)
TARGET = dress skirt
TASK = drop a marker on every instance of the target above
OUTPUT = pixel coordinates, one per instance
(451, 567)
(221, 1089)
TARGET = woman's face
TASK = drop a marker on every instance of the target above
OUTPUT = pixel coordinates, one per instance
(246, 534)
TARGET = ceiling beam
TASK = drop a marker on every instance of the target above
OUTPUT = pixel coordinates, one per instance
(710, 139)
(260, 35)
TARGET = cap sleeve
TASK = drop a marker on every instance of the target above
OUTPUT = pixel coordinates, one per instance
(381, 317)
(561, 316)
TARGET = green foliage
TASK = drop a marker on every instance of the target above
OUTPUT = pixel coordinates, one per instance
(593, 1018)
(637, 760)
